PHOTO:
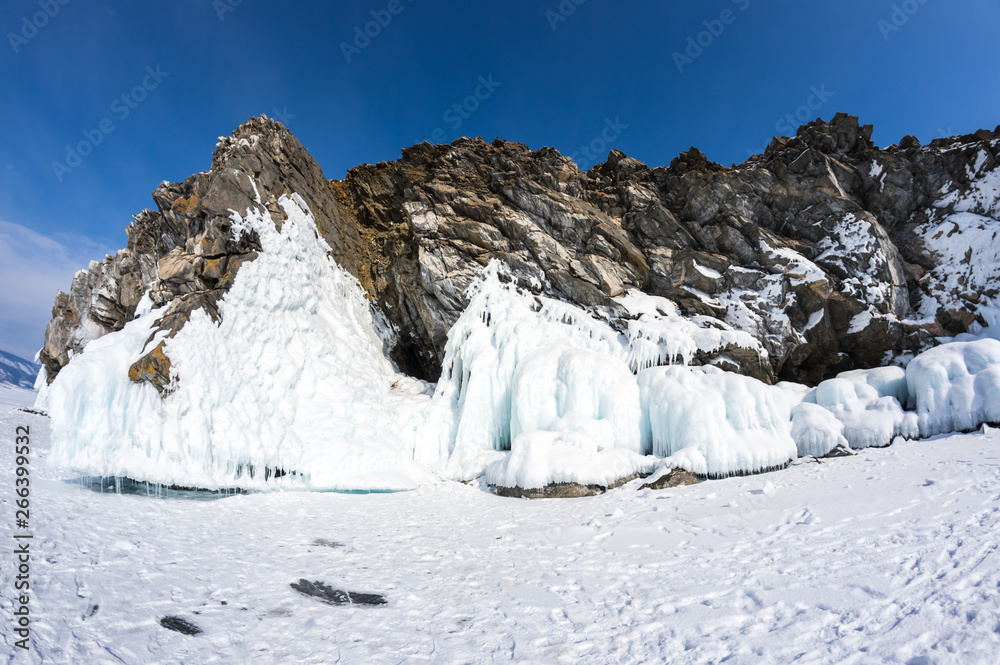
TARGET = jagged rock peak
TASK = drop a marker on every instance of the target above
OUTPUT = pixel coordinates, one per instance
(825, 249)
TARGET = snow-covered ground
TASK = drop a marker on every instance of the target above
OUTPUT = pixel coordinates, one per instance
(887, 556)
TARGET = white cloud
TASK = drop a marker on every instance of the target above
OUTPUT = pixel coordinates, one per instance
(32, 268)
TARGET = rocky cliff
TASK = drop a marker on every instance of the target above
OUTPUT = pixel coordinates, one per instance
(833, 253)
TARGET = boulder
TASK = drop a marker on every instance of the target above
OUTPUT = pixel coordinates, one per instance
(674, 478)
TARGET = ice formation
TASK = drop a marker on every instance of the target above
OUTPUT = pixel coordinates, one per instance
(575, 452)
(507, 342)
(553, 385)
(293, 390)
(815, 430)
(737, 423)
(868, 404)
(955, 387)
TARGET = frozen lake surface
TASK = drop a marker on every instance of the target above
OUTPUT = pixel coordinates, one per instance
(887, 556)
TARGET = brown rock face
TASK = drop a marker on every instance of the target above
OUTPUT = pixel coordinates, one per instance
(819, 248)
(183, 253)
(154, 368)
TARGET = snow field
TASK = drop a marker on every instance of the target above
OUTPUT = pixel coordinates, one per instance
(889, 556)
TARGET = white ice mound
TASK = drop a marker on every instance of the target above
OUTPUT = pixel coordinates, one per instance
(815, 430)
(955, 387)
(579, 454)
(292, 382)
(738, 424)
(869, 405)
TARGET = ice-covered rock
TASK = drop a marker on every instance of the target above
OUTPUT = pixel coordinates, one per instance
(516, 361)
(816, 430)
(867, 403)
(576, 457)
(292, 344)
(289, 389)
(669, 477)
(736, 423)
(955, 387)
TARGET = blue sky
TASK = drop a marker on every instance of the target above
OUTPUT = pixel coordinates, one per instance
(147, 87)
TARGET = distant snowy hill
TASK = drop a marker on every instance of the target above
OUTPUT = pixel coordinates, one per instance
(17, 371)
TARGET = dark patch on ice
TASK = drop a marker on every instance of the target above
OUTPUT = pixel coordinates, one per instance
(180, 625)
(130, 487)
(269, 472)
(34, 412)
(92, 611)
(332, 596)
(741, 473)
(323, 542)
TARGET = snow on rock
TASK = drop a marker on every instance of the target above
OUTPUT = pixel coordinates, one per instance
(858, 250)
(660, 335)
(292, 383)
(960, 237)
(981, 195)
(737, 424)
(955, 387)
(967, 250)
